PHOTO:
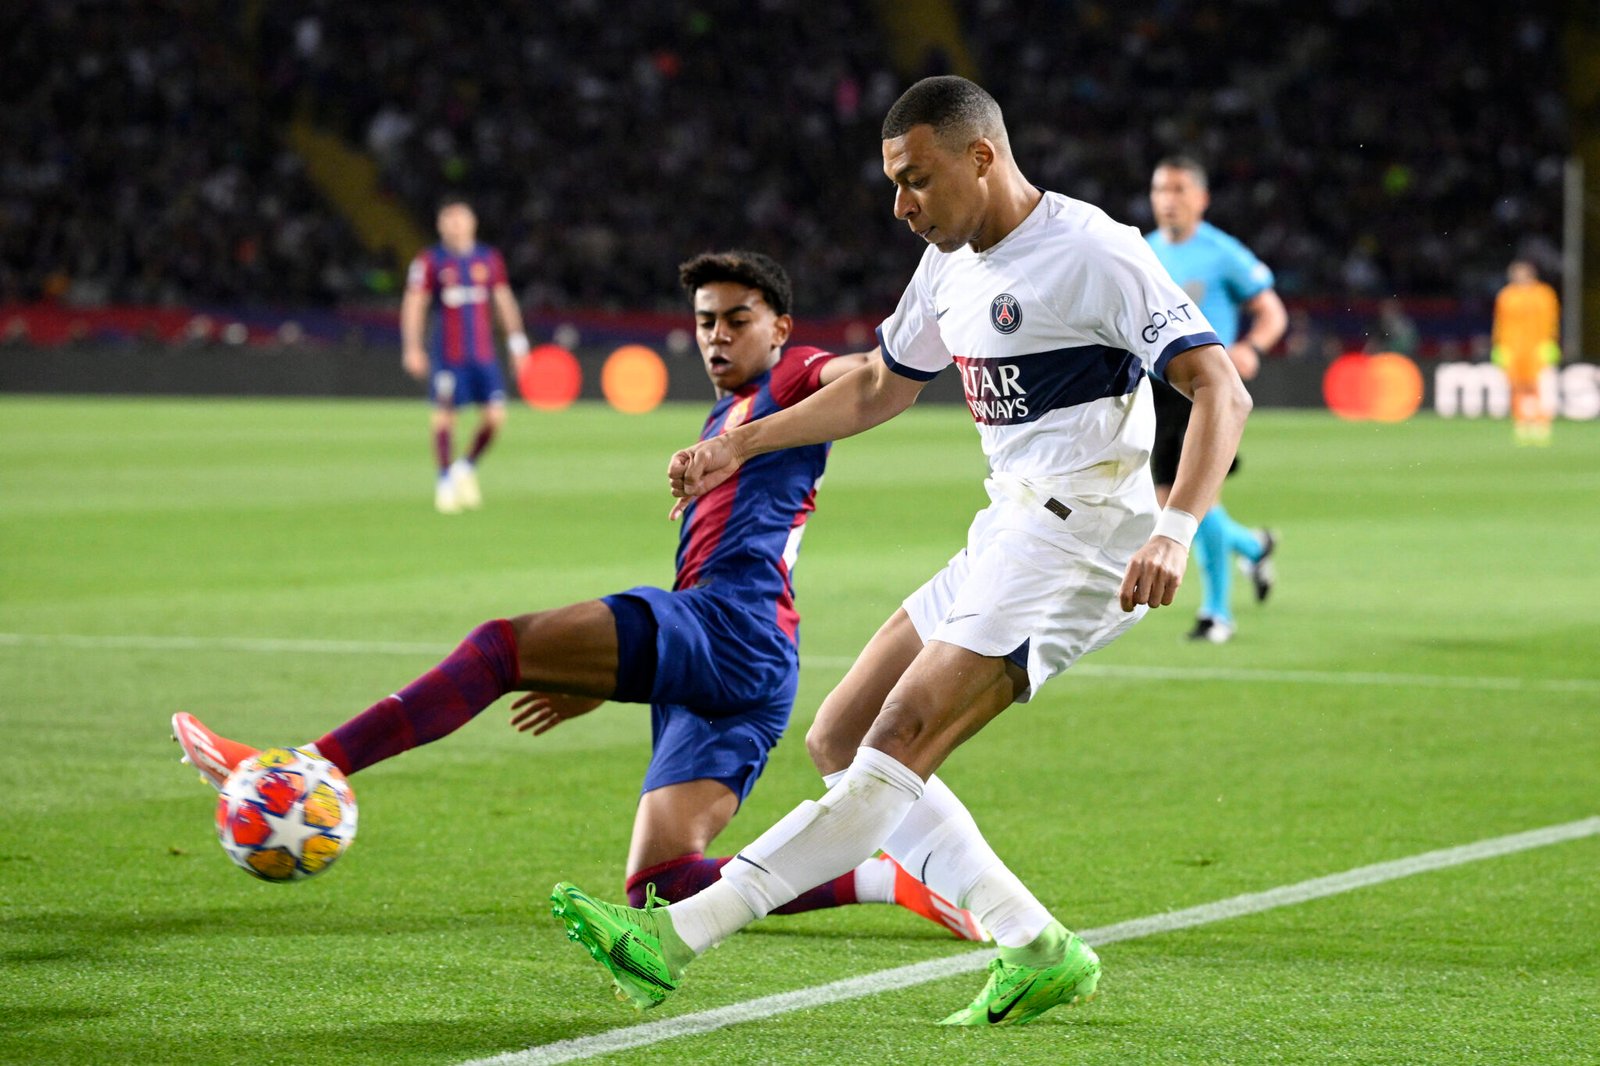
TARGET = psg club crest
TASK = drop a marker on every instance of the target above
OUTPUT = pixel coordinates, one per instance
(1005, 314)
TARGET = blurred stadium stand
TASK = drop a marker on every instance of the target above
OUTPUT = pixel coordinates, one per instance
(172, 169)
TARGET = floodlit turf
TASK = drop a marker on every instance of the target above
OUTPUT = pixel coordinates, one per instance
(194, 533)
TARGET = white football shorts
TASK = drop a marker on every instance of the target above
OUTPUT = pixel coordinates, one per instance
(1034, 587)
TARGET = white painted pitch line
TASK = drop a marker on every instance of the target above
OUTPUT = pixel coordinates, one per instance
(273, 645)
(922, 972)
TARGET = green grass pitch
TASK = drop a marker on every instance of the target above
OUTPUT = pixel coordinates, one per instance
(1425, 676)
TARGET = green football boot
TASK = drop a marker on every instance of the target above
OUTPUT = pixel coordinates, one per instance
(1019, 994)
(627, 941)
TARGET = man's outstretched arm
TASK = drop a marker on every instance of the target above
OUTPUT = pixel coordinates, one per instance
(856, 401)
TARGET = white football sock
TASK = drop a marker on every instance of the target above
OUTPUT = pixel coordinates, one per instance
(875, 877)
(875, 881)
(1006, 908)
(710, 916)
(939, 844)
(720, 909)
(815, 842)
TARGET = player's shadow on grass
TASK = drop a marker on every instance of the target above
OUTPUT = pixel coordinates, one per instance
(1515, 648)
(901, 926)
(58, 928)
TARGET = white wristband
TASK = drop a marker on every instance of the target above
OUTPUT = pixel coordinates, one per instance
(1177, 525)
(517, 343)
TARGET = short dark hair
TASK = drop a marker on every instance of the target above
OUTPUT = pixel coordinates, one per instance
(758, 271)
(453, 199)
(959, 111)
(1188, 163)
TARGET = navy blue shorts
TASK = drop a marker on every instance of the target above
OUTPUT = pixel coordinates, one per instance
(720, 684)
(471, 382)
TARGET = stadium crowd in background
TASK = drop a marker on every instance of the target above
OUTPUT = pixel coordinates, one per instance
(608, 147)
(138, 165)
(144, 162)
(1369, 150)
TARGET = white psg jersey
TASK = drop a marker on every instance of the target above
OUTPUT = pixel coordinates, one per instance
(1052, 330)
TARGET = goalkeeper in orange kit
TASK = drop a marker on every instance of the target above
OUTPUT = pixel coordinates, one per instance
(1526, 325)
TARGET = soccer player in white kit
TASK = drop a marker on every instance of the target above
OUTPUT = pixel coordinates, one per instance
(1053, 314)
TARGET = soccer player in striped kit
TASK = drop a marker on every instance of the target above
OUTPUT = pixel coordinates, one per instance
(457, 279)
(716, 657)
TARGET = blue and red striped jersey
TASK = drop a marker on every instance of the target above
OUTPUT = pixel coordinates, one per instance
(744, 535)
(461, 327)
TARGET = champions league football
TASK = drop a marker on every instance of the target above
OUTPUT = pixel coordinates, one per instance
(286, 815)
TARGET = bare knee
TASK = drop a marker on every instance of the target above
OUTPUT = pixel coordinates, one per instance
(897, 730)
(572, 649)
(830, 751)
(526, 626)
(842, 720)
(919, 734)
(677, 820)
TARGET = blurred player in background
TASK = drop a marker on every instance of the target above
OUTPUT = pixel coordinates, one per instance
(1527, 323)
(717, 658)
(1053, 314)
(1393, 331)
(458, 278)
(1223, 278)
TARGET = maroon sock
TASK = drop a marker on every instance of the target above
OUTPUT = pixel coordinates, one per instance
(682, 877)
(480, 443)
(481, 670)
(441, 448)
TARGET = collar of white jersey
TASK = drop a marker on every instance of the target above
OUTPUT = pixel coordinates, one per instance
(1040, 212)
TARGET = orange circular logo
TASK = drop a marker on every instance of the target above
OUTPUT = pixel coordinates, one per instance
(1376, 388)
(634, 379)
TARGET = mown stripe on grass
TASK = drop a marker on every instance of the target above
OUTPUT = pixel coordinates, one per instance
(615, 1040)
(288, 645)
(255, 645)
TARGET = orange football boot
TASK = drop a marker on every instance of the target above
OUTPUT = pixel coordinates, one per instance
(915, 896)
(214, 756)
